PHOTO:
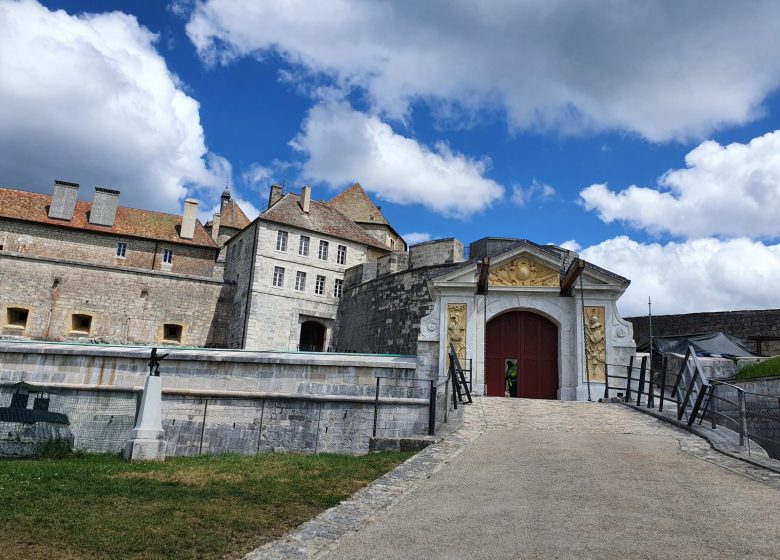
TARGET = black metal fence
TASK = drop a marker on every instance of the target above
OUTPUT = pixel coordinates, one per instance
(753, 417)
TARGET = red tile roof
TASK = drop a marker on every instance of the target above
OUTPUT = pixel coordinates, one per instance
(232, 216)
(355, 204)
(131, 222)
(321, 218)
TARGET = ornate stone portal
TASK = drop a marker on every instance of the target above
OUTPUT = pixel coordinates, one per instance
(456, 329)
(524, 272)
(595, 342)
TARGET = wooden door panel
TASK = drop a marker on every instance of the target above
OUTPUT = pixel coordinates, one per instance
(533, 341)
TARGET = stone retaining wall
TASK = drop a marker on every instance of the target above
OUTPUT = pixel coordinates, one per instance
(217, 401)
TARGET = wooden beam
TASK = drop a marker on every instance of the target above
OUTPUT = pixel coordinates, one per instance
(571, 276)
(484, 274)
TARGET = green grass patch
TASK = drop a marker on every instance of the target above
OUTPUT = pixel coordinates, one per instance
(98, 506)
(767, 368)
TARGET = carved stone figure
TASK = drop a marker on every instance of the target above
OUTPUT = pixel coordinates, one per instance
(524, 272)
(456, 329)
(595, 342)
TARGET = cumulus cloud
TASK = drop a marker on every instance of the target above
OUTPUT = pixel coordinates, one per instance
(345, 145)
(416, 237)
(88, 98)
(729, 190)
(698, 275)
(663, 71)
(538, 190)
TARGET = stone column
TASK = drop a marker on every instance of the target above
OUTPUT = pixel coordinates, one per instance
(147, 440)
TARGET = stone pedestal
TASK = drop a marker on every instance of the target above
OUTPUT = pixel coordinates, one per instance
(147, 441)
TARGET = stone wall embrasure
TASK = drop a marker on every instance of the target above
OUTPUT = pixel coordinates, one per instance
(217, 401)
(127, 306)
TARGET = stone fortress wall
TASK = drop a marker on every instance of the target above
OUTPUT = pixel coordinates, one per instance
(748, 326)
(383, 302)
(124, 305)
(220, 401)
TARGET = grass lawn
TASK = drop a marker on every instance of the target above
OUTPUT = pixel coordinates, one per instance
(767, 368)
(222, 506)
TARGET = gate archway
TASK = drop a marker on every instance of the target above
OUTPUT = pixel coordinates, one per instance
(530, 341)
(312, 337)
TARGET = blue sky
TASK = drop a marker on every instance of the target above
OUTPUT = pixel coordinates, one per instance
(641, 134)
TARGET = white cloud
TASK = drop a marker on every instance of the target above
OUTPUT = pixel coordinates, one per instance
(416, 237)
(658, 69)
(345, 145)
(257, 176)
(87, 98)
(538, 190)
(699, 275)
(571, 245)
(729, 190)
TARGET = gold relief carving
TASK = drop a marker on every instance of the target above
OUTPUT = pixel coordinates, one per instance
(595, 342)
(524, 272)
(456, 330)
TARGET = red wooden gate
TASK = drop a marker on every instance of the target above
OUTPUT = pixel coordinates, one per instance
(530, 339)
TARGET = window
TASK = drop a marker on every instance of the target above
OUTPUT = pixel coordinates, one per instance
(281, 240)
(172, 333)
(167, 256)
(278, 277)
(303, 246)
(80, 323)
(323, 254)
(16, 317)
(341, 255)
(121, 250)
(319, 286)
(337, 287)
(300, 281)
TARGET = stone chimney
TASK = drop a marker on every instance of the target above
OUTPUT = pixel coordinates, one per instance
(104, 207)
(188, 219)
(275, 196)
(306, 199)
(215, 226)
(63, 201)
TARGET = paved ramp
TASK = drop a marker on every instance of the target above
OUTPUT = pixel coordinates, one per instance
(551, 479)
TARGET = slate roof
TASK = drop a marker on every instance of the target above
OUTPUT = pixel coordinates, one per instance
(355, 204)
(322, 218)
(130, 222)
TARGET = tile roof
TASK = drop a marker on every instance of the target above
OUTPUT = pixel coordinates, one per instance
(232, 216)
(321, 218)
(355, 204)
(131, 222)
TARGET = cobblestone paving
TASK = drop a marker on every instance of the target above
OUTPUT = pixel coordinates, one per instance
(316, 537)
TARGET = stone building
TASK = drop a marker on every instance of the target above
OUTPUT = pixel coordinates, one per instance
(226, 223)
(540, 308)
(288, 266)
(355, 205)
(71, 269)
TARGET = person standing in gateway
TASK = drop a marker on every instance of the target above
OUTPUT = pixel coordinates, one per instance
(510, 375)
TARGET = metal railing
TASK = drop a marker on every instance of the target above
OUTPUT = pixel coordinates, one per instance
(432, 391)
(753, 417)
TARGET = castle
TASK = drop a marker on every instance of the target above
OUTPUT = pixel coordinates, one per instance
(305, 275)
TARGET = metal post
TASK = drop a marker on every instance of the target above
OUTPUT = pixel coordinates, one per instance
(629, 371)
(663, 384)
(642, 368)
(203, 426)
(742, 417)
(606, 381)
(376, 405)
(650, 395)
(432, 410)
(712, 406)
